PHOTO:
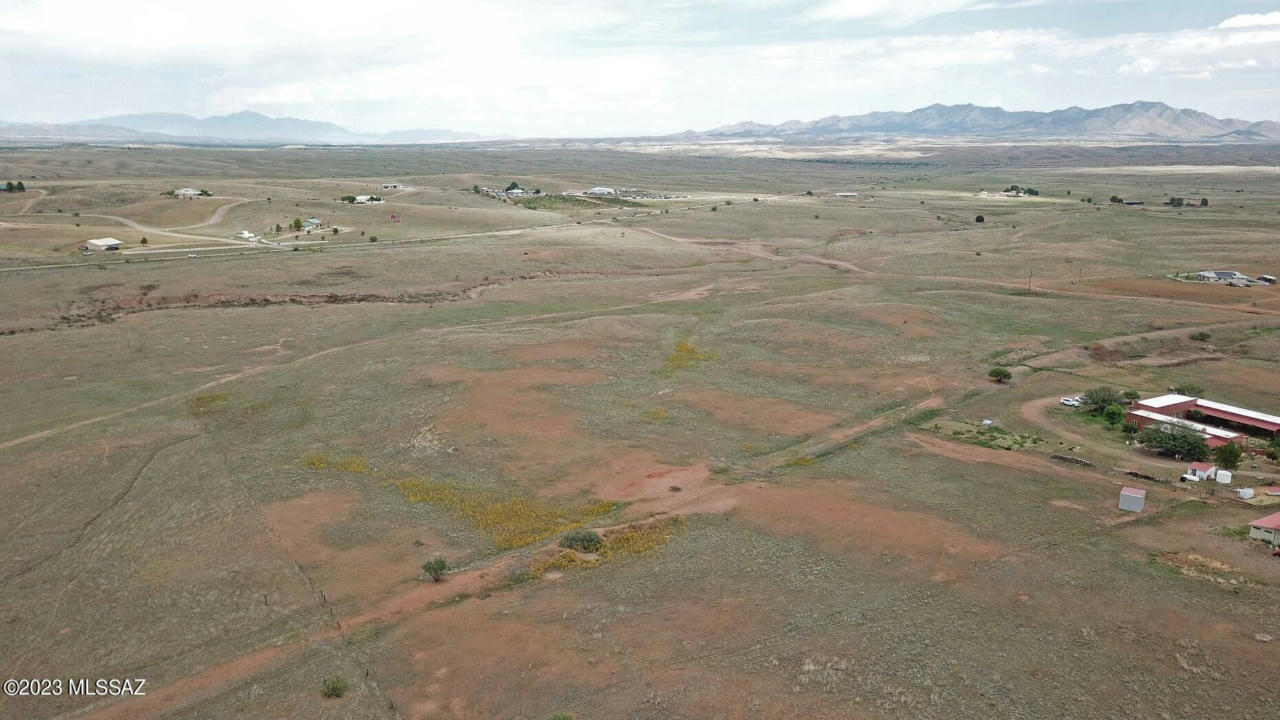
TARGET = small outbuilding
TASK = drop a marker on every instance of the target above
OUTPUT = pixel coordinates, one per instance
(1132, 499)
(600, 191)
(1199, 471)
(104, 244)
(1266, 529)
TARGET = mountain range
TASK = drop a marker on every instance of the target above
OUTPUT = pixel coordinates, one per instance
(237, 128)
(1137, 120)
(1151, 121)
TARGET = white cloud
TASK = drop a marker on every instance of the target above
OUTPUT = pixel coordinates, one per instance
(1254, 20)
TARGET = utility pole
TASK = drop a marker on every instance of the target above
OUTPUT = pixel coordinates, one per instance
(1029, 280)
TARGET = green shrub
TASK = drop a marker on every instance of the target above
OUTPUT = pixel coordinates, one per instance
(435, 567)
(999, 374)
(587, 541)
(335, 686)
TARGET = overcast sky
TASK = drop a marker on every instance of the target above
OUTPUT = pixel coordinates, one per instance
(601, 68)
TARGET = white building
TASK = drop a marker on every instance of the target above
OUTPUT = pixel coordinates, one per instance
(1221, 276)
(600, 191)
(186, 192)
(105, 244)
(393, 186)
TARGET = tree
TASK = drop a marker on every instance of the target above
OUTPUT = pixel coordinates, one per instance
(1204, 202)
(1113, 414)
(980, 219)
(809, 193)
(1228, 456)
(8, 187)
(278, 228)
(335, 686)
(1100, 397)
(335, 231)
(513, 186)
(1189, 389)
(348, 199)
(297, 224)
(1129, 427)
(144, 241)
(475, 189)
(1177, 441)
(20, 187)
(435, 567)
(999, 374)
(1116, 199)
(1131, 395)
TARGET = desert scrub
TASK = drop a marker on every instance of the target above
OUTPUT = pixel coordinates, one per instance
(334, 686)
(640, 538)
(205, 404)
(802, 461)
(509, 520)
(566, 560)
(346, 463)
(657, 414)
(685, 354)
(587, 541)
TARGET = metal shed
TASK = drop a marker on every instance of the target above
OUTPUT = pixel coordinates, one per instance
(1132, 499)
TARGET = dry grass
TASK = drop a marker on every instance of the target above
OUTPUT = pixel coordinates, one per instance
(205, 404)
(511, 521)
(346, 463)
(685, 354)
(640, 538)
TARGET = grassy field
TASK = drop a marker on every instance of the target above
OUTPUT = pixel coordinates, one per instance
(224, 472)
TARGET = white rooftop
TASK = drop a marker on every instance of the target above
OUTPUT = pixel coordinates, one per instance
(1165, 400)
(1239, 411)
(1202, 429)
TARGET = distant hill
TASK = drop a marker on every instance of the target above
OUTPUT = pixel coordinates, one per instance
(242, 126)
(1146, 120)
(238, 128)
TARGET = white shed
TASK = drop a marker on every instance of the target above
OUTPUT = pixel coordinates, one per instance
(105, 244)
(1132, 499)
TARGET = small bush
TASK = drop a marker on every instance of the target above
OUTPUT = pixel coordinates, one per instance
(587, 541)
(999, 374)
(436, 568)
(1200, 336)
(979, 219)
(335, 686)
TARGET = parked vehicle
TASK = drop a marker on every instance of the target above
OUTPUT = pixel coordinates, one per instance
(1070, 402)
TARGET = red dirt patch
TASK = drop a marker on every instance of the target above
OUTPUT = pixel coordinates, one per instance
(768, 415)
(561, 350)
(826, 513)
(357, 575)
(509, 404)
(910, 320)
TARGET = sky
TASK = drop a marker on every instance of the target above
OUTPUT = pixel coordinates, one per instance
(570, 68)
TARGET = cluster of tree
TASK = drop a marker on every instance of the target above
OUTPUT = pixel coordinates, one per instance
(1179, 202)
(11, 186)
(1116, 199)
(1024, 191)
(1176, 441)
